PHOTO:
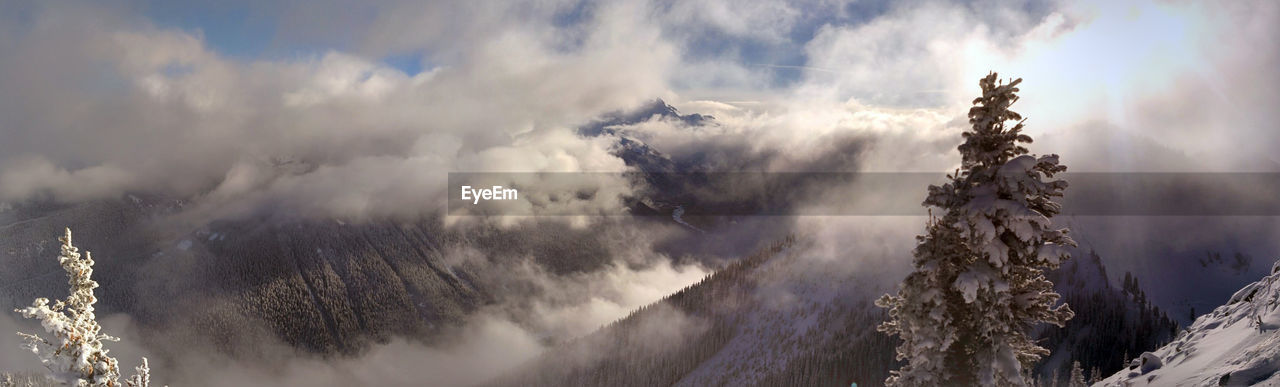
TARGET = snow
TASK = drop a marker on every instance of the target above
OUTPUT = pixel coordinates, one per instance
(1237, 344)
(968, 283)
(1020, 164)
(797, 298)
(678, 216)
(998, 206)
(1149, 362)
(73, 351)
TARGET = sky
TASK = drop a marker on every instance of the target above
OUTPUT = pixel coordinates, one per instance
(214, 93)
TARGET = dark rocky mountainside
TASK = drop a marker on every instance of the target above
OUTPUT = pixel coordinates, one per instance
(1110, 323)
(322, 286)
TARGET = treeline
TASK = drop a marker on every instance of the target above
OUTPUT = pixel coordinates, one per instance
(1111, 326)
(857, 354)
(22, 379)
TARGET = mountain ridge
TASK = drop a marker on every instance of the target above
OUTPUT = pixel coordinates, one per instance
(1236, 344)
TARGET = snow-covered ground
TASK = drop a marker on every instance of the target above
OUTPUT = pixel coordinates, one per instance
(1236, 345)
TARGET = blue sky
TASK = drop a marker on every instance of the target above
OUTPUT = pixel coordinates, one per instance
(266, 31)
(260, 31)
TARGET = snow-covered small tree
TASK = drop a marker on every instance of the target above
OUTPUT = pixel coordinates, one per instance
(978, 285)
(142, 375)
(1077, 376)
(75, 354)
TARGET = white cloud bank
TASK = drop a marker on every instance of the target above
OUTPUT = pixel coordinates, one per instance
(99, 101)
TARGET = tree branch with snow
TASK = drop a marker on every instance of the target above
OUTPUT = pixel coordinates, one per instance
(74, 353)
(979, 284)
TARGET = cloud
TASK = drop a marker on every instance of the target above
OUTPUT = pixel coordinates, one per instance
(334, 134)
(531, 305)
(115, 105)
(13, 357)
(479, 351)
(1156, 86)
(483, 350)
(558, 304)
(546, 308)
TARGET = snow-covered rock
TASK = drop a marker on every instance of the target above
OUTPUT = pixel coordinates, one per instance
(1149, 362)
(1238, 344)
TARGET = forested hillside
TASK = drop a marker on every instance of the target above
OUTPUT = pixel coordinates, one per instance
(1112, 325)
(730, 330)
(1236, 344)
(323, 286)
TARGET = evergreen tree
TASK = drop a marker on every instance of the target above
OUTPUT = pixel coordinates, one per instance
(978, 285)
(74, 354)
(1077, 376)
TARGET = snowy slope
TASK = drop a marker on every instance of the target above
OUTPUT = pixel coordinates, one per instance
(1237, 344)
(801, 306)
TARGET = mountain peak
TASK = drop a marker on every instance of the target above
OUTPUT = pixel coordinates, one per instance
(658, 109)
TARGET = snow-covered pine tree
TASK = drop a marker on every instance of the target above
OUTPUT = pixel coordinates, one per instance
(142, 375)
(75, 354)
(1077, 376)
(978, 285)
